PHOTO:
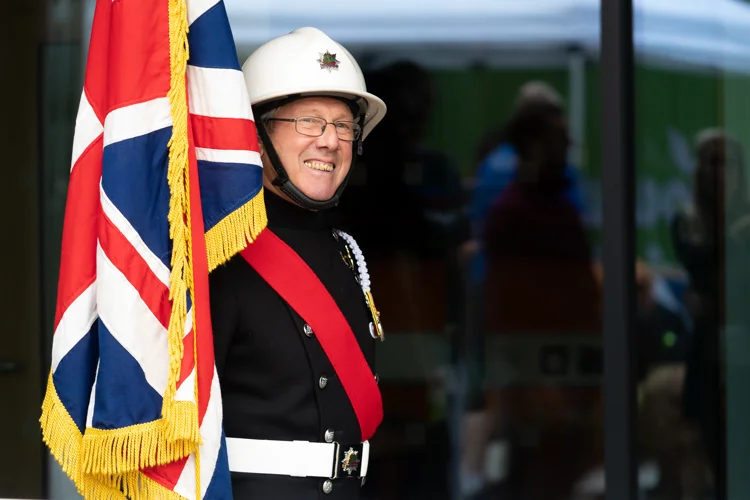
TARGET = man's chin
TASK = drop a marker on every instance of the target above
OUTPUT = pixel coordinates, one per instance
(318, 195)
(318, 191)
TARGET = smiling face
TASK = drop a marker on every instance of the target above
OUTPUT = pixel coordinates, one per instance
(317, 166)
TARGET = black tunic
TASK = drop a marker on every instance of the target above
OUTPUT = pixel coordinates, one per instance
(270, 369)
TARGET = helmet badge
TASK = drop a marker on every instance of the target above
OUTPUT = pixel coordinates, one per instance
(328, 61)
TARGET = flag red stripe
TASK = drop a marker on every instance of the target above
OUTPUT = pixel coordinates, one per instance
(202, 327)
(167, 475)
(188, 361)
(130, 263)
(130, 58)
(97, 64)
(151, 290)
(78, 253)
(224, 133)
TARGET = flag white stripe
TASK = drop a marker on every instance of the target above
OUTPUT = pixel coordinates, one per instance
(232, 101)
(211, 432)
(88, 128)
(131, 322)
(196, 8)
(186, 392)
(123, 225)
(188, 322)
(137, 120)
(75, 323)
(228, 156)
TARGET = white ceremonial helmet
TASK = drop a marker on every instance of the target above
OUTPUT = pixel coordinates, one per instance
(307, 62)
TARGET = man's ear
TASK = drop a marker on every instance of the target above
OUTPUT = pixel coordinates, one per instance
(261, 149)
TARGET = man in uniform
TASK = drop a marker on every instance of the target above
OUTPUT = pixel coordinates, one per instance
(294, 321)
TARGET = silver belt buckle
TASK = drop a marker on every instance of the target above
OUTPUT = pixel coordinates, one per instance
(347, 463)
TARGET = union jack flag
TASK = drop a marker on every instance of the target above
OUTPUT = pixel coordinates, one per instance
(165, 185)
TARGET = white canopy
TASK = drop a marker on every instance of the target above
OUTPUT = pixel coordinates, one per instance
(704, 33)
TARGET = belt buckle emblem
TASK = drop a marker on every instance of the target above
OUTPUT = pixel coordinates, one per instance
(350, 462)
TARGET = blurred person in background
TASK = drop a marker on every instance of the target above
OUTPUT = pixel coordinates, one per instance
(706, 234)
(540, 282)
(499, 166)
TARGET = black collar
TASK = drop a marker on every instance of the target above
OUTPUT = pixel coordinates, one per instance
(285, 214)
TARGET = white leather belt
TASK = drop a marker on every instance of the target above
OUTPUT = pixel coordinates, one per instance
(298, 458)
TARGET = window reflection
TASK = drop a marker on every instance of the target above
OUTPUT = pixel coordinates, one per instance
(692, 212)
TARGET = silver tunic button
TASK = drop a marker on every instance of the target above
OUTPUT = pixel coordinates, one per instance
(308, 330)
(323, 382)
(377, 378)
(327, 486)
(329, 436)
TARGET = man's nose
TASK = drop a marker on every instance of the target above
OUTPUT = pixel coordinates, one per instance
(329, 139)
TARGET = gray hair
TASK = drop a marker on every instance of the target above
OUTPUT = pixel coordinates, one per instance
(538, 91)
(266, 117)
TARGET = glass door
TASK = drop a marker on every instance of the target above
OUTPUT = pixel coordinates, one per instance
(693, 246)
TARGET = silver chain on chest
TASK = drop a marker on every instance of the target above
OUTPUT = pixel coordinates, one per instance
(376, 328)
(364, 276)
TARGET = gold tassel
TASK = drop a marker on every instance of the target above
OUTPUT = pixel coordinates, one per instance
(179, 425)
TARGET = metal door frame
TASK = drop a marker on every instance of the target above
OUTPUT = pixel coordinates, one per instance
(618, 187)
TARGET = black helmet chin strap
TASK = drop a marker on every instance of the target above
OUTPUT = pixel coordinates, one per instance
(287, 187)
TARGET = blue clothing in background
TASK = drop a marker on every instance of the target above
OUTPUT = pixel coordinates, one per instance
(495, 173)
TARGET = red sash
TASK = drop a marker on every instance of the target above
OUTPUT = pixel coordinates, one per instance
(301, 288)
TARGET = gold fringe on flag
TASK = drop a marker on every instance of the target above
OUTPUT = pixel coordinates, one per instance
(233, 233)
(60, 433)
(62, 436)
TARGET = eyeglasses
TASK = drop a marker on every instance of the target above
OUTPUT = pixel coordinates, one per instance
(313, 126)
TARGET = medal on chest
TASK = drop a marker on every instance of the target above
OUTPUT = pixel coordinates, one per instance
(358, 264)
